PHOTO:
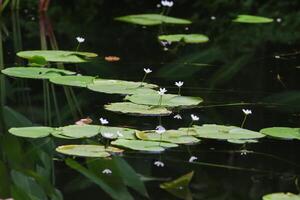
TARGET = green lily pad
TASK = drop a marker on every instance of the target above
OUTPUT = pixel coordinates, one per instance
(186, 38)
(281, 196)
(119, 132)
(31, 132)
(152, 19)
(136, 109)
(87, 150)
(142, 145)
(252, 19)
(172, 136)
(168, 100)
(221, 132)
(35, 72)
(76, 131)
(120, 87)
(180, 186)
(282, 132)
(239, 141)
(77, 81)
(58, 56)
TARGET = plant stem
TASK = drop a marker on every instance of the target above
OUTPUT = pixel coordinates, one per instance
(244, 120)
(191, 124)
(179, 90)
(143, 79)
(55, 103)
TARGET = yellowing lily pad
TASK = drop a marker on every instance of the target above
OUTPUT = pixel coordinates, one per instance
(77, 81)
(31, 132)
(35, 72)
(58, 56)
(281, 196)
(120, 87)
(87, 150)
(252, 19)
(152, 19)
(168, 100)
(136, 109)
(186, 38)
(282, 132)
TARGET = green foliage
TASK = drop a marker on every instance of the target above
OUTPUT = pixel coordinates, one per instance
(252, 19)
(281, 196)
(87, 150)
(186, 38)
(282, 132)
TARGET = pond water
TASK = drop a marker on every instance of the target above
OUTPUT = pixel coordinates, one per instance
(245, 65)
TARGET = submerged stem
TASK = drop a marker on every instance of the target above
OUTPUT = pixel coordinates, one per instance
(191, 124)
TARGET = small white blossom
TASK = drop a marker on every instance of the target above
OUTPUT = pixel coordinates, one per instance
(80, 39)
(193, 158)
(119, 134)
(247, 112)
(160, 129)
(147, 70)
(277, 57)
(103, 121)
(179, 83)
(167, 3)
(177, 116)
(213, 18)
(278, 20)
(162, 91)
(194, 117)
(106, 171)
(159, 164)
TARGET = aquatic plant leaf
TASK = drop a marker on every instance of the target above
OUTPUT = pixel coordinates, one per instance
(58, 55)
(76, 131)
(172, 136)
(77, 81)
(31, 132)
(240, 141)
(221, 132)
(152, 19)
(252, 19)
(119, 132)
(180, 186)
(35, 72)
(186, 38)
(141, 145)
(87, 150)
(168, 100)
(136, 109)
(282, 132)
(39, 61)
(281, 196)
(120, 87)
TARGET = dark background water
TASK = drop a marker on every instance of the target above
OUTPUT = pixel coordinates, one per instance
(240, 63)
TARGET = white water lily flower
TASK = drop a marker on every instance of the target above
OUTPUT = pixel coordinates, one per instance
(167, 3)
(179, 83)
(80, 39)
(106, 171)
(193, 158)
(247, 112)
(160, 129)
(177, 116)
(103, 121)
(147, 70)
(159, 164)
(162, 91)
(194, 117)
(109, 135)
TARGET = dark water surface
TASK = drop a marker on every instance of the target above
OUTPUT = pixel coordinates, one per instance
(257, 65)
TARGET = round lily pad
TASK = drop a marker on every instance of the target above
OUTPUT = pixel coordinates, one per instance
(151, 19)
(119, 132)
(77, 81)
(35, 72)
(252, 19)
(31, 132)
(136, 109)
(142, 145)
(172, 136)
(120, 87)
(58, 55)
(282, 132)
(186, 38)
(76, 131)
(87, 150)
(221, 132)
(168, 100)
(281, 196)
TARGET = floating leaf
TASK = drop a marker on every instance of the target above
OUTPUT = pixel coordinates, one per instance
(32, 132)
(281, 196)
(87, 150)
(221, 132)
(168, 100)
(76, 131)
(239, 141)
(152, 19)
(77, 81)
(180, 186)
(252, 19)
(58, 56)
(172, 136)
(282, 132)
(141, 145)
(136, 109)
(186, 38)
(120, 87)
(35, 72)
(119, 132)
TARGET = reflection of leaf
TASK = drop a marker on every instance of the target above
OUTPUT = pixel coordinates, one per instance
(281, 196)
(288, 101)
(186, 38)
(180, 186)
(4, 180)
(14, 119)
(252, 19)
